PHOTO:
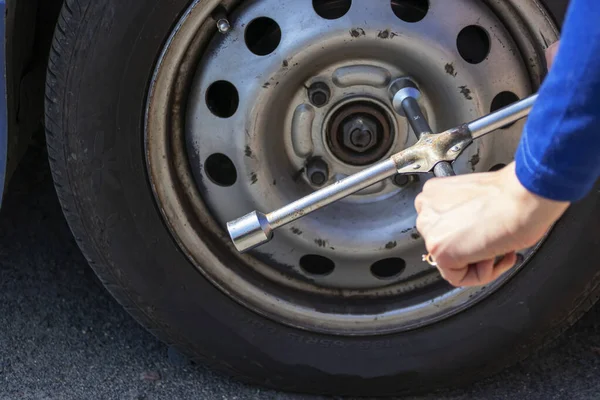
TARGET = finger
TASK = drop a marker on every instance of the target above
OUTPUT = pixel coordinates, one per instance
(478, 274)
(426, 220)
(443, 242)
(463, 240)
(422, 225)
(419, 202)
(454, 276)
(507, 263)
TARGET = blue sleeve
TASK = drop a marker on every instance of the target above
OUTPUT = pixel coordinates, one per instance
(559, 154)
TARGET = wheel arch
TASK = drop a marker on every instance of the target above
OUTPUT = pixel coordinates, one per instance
(28, 27)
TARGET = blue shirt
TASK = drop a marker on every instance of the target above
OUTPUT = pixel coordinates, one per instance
(559, 154)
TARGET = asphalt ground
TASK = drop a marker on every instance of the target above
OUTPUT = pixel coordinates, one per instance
(63, 337)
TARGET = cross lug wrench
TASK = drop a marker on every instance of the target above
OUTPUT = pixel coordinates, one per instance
(256, 228)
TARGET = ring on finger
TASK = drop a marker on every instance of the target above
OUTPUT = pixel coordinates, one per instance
(429, 259)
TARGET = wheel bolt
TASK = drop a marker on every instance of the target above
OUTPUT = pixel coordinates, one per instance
(318, 178)
(220, 17)
(317, 171)
(401, 180)
(223, 25)
(405, 180)
(319, 94)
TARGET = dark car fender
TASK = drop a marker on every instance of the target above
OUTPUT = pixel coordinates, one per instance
(3, 108)
(27, 30)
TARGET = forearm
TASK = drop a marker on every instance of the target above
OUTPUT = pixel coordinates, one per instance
(559, 154)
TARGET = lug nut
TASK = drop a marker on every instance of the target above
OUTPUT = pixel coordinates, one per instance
(319, 94)
(317, 171)
(405, 180)
(360, 134)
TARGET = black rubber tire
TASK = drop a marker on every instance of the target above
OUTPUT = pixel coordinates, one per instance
(102, 57)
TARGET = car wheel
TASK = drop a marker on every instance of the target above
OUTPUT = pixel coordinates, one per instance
(166, 119)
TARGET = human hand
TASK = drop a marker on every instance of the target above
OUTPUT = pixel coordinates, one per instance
(468, 221)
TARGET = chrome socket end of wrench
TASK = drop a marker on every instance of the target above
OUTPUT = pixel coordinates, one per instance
(250, 231)
(400, 90)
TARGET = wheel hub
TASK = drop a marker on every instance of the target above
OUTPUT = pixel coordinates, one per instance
(277, 109)
(360, 133)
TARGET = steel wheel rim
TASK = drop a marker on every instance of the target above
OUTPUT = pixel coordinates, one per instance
(250, 279)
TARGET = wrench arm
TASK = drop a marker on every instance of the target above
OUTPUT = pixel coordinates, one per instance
(332, 193)
(505, 116)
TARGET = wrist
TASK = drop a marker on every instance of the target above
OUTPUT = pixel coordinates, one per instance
(531, 203)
